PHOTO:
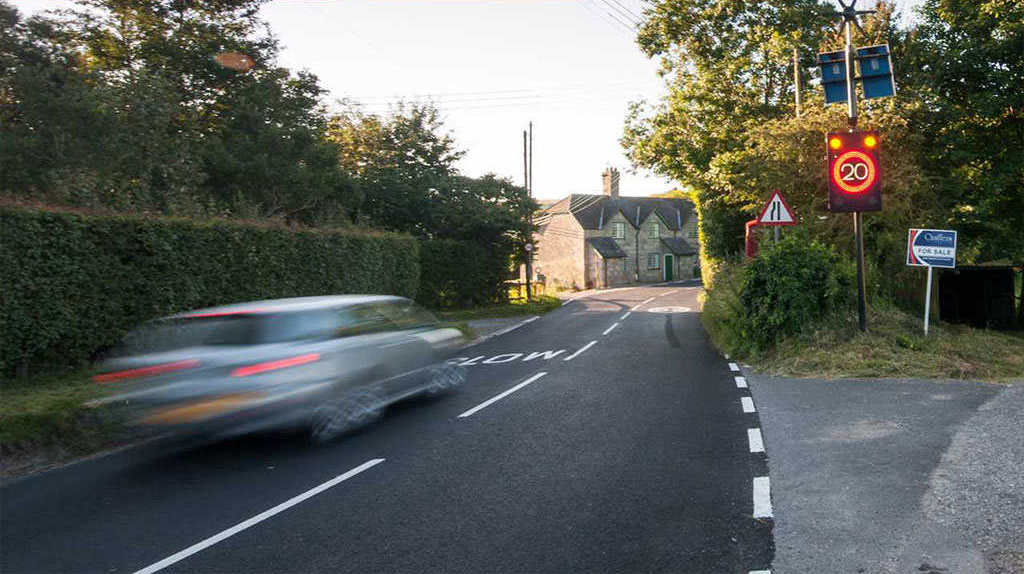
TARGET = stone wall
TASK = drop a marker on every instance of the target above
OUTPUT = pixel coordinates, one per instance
(559, 254)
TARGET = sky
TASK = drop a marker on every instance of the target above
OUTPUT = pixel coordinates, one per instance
(491, 66)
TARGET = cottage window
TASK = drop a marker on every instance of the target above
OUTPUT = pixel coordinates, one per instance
(655, 231)
(619, 230)
(654, 261)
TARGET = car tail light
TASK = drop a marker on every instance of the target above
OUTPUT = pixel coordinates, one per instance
(146, 371)
(275, 365)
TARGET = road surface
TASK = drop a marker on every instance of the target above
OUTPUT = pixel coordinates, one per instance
(606, 436)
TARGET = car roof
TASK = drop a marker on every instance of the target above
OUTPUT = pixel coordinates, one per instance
(287, 305)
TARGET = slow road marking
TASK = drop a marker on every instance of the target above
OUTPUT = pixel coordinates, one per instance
(748, 404)
(762, 497)
(500, 396)
(246, 524)
(756, 440)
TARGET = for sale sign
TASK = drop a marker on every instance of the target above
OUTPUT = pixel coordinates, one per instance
(931, 248)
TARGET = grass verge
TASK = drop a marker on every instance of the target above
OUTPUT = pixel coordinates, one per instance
(540, 305)
(893, 347)
(43, 421)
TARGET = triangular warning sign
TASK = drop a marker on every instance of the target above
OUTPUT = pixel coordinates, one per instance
(776, 212)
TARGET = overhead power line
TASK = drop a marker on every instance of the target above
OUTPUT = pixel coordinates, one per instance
(633, 15)
(614, 23)
(617, 11)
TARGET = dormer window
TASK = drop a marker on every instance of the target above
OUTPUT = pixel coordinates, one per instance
(654, 231)
(619, 230)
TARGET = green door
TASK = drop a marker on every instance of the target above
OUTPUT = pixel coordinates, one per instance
(668, 267)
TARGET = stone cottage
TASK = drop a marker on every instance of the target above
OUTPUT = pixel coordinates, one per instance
(596, 241)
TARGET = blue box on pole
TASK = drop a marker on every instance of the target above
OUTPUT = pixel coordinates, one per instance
(833, 75)
(876, 71)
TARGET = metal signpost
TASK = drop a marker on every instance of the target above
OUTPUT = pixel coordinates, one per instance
(853, 163)
(776, 213)
(931, 248)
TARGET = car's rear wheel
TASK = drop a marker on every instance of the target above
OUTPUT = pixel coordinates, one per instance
(445, 377)
(338, 417)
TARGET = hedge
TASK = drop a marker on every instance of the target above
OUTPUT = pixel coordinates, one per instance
(72, 284)
(790, 285)
(461, 274)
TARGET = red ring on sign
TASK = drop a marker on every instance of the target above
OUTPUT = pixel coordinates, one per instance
(868, 181)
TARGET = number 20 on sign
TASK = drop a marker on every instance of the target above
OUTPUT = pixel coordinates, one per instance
(854, 178)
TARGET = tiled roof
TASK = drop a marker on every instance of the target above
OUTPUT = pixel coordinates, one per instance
(607, 247)
(678, 245)
(592, 211)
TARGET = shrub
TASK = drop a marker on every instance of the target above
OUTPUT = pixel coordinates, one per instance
(461, 274)
(74, 284)
(790, 285)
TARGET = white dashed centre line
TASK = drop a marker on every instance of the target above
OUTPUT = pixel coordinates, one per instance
(741, 382)
(610, 329)
(748, 404)
(756, 440)
(500, 396)
(734, 367)
(762, 497)
(628, 313)
(200, 546)
(580, 352)
(760, 572)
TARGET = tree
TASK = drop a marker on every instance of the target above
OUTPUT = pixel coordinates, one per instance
(965, 61)
(133, 105)
(401, 162)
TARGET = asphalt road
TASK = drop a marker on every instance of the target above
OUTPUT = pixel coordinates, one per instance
(630, 454)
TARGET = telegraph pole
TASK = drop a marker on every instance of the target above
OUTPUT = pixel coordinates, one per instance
(529, 239)
(529, 252)
(796, 80)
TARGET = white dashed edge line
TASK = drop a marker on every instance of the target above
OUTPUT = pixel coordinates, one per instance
(734, 367)
(762, 497)
(500, 332)
(741, 382)
(756, 440)
(748, 404)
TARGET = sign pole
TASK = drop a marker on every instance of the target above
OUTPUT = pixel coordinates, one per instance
(931, 248)
(858, 221)
(927, 300)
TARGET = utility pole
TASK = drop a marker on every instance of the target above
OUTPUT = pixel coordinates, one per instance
(850, 14)
(527, 215)
(796, 80)
(529, 252)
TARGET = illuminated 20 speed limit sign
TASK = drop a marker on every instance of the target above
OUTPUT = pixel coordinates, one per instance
(853, 172)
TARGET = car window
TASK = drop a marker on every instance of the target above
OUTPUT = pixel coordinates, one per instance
(172, 334)
(408, 315)
(361, 319)
(296, 326)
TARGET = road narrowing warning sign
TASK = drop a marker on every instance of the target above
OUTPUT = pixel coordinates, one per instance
(776, 212)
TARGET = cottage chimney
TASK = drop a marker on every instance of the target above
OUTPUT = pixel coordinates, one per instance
(610, 182)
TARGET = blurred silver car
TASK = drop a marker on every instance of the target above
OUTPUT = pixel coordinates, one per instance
(325, 363)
